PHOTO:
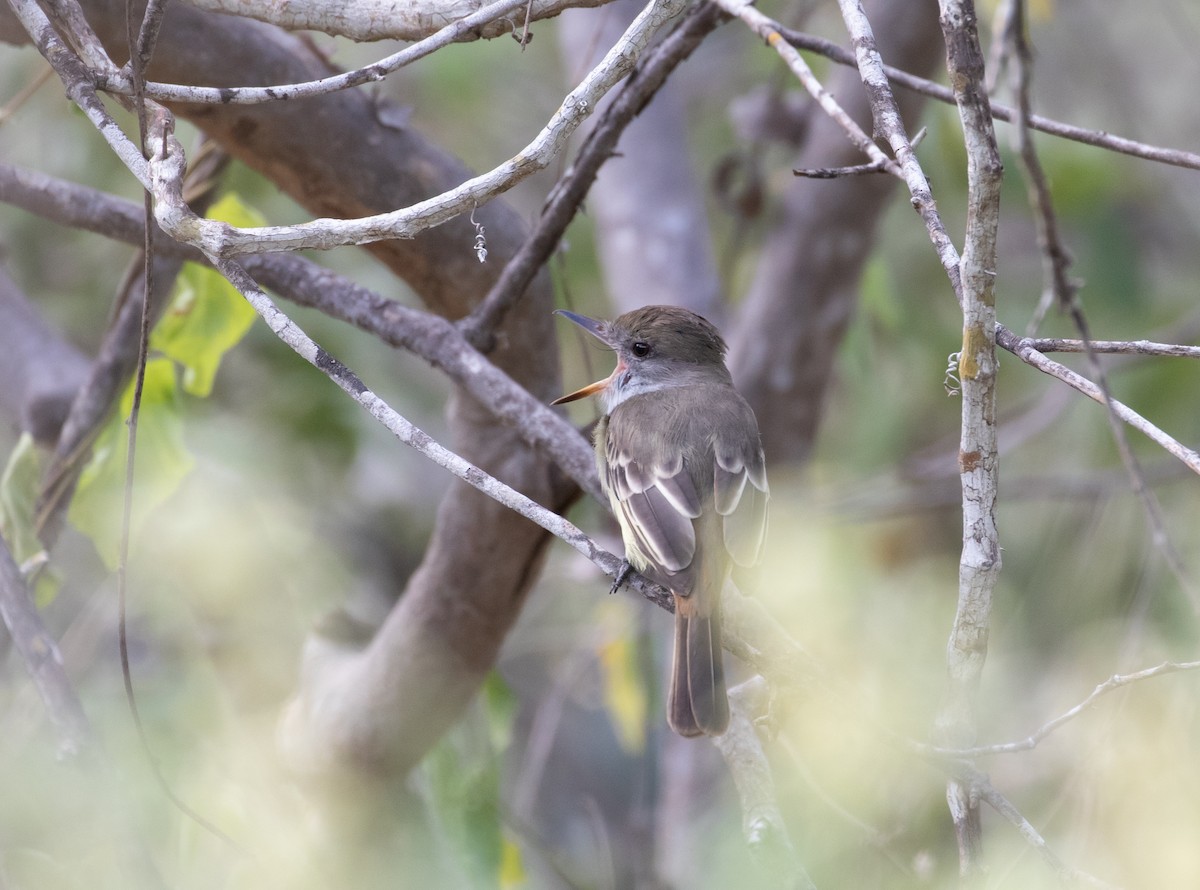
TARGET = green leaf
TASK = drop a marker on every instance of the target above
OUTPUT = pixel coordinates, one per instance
(500, 704)
(624, 693)
(624, 689)
(162, 462)
(207, 316)
(18, 499)
(463, 776)
(19, 487)
(464, 787)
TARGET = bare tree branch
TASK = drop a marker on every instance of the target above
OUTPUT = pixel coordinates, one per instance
(1062, 290)
(371, 20)
(1058, 287)
(1025, 351)
(997, 801)
(1112, 347)
(40, 653)
(1031, 741)
(456, 31)
(78, 81)
(762, 823)
(979, 567)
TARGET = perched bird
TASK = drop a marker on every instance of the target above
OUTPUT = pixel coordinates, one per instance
(681, 461)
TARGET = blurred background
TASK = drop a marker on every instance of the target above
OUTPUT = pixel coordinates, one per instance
(299, 512)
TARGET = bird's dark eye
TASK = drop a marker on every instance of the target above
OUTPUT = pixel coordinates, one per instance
(640, 348)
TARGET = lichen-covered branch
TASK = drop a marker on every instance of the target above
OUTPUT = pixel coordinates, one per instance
(372, 20)
(979, 565)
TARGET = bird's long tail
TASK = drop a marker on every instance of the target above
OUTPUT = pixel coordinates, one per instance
(696, 700)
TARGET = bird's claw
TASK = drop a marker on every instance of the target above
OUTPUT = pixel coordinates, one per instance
(622, 576)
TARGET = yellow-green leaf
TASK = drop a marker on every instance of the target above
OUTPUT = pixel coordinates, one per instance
(512, 866)
(500, 704)
(19, 487)
(207, 316)
(18, 498)
(624, 693)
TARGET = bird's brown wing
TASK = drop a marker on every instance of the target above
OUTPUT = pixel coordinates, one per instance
(656, 498)
(740, 487)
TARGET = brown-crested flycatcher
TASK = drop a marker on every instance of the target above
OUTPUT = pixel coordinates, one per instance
(680, 459)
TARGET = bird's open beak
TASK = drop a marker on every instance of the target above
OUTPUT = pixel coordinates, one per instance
(590, 389)
(598, 330)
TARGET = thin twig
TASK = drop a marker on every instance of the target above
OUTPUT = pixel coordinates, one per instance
(1031, 741)
(463, 29)
(137, 60)
(1059, 287)
(78, 80)
(1024, 349)
(885, 112)
(838, 172)
(1113, 347)
(985, 791)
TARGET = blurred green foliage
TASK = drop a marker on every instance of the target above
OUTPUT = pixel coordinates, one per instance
(296, 503)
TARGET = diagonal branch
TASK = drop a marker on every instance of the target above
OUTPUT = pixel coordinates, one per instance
(39, 651)
(78, 80)
(568, 194)
(364, 20)
(890, 125)
(1026, 350)
(762, 822)
(302, 281)
(982, 787)
(1031, 741)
